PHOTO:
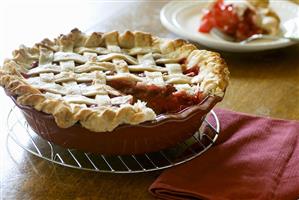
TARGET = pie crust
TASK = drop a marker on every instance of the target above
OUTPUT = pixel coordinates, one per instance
(67, 77)
(266, 18)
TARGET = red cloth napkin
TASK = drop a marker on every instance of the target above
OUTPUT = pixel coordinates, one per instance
(253, 158)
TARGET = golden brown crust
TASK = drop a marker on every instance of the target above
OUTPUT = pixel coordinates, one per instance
(213, 76)
(259, 3)
(104, 118)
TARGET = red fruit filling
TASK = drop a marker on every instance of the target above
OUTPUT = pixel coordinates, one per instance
(161, 99)
(224, 17)
(25, 75)
(193, 71)
(34, 64)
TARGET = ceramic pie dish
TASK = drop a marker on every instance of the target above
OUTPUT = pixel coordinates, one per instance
(114, 93)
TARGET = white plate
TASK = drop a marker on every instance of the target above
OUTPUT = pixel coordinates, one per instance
(183, 18)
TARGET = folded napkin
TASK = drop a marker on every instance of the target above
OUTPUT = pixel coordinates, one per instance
(253, 158)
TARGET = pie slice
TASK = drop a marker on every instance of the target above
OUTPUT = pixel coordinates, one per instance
(241, 19)
(104, 80)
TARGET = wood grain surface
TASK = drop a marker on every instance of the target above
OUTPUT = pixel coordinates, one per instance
(264, 83)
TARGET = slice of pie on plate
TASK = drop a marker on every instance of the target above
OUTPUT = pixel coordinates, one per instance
(241, 19)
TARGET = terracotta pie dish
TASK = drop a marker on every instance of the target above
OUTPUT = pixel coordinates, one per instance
(113, 93)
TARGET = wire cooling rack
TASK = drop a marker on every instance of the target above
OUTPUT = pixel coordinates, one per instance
(20, 132)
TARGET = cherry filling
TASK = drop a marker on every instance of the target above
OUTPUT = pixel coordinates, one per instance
(161, 99)
(224, 17)
(34, 64)
(193, 71)
(164, 99)
(26, 76)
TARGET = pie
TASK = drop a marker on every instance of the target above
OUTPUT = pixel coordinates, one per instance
(105, 80)
(241, 19)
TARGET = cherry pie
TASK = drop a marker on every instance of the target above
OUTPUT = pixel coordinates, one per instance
(241, 18)
(104, 80)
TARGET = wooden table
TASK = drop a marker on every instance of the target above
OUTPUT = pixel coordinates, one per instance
(264, 83)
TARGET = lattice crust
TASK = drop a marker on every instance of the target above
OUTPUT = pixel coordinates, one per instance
(69, 77)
